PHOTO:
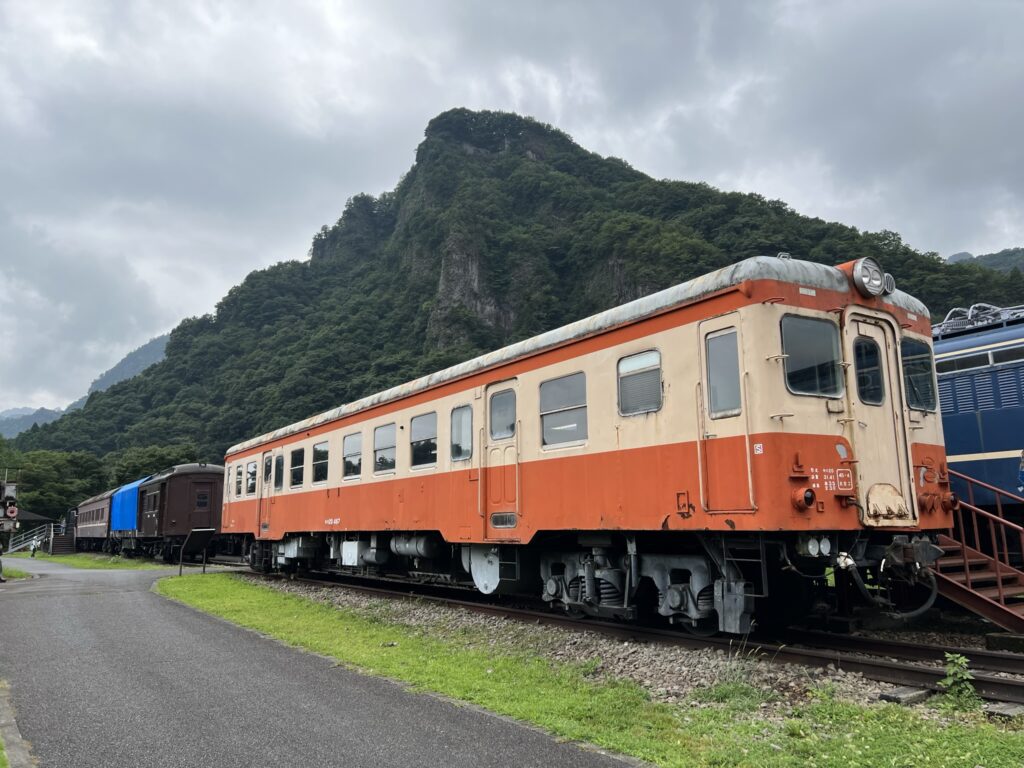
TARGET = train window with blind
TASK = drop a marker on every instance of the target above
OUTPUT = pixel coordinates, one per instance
(503, 414)
(813, 360)
(279, 472)
(1012, 355)
(867, 359)
(238, 480)
(384, 448)
(321, 455)
(563, 410)
(298, 466)
(250, 478)
(640, 383)
(352, 455)
(918, 380)
(462, 433)
(423, 439)
(723, 358)
(963, 363)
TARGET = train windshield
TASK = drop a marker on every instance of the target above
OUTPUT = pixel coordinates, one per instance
(813, 360)
(918, 380)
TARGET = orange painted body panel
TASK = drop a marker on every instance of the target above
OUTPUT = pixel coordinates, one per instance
(654, 488)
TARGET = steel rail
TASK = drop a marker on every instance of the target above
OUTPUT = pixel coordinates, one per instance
(835, 651)
(980, 658)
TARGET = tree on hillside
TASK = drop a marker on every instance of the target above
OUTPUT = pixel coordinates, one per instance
(136, 463)
(52, 481)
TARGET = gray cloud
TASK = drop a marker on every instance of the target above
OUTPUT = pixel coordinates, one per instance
(154, 153)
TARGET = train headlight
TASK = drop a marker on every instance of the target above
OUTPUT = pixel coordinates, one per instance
(811, 546)
(804, 498)
(869, 278)
(825, 546)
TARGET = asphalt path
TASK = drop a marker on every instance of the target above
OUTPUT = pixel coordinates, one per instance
(103, 672)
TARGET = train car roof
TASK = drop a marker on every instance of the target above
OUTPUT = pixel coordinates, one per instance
(97, 497)
(184, 469)
(806, 273)
(964, 341)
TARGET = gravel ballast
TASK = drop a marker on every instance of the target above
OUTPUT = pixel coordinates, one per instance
(668, 673)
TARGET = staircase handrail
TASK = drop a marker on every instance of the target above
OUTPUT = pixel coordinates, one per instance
(999, 560)
(995, 490)
(22, 540)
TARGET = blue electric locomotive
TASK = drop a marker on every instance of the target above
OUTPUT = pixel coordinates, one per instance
(979, 360)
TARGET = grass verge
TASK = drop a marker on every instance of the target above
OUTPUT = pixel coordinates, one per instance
(723, 727)
(94, 560)
(14, 573)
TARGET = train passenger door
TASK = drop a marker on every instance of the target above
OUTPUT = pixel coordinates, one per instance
(200, 504)
(723, 438)
(266, 497)
(875, 427)
(500, 472)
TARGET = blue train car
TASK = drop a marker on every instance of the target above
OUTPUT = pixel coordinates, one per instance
(979, 360)
(124, 510)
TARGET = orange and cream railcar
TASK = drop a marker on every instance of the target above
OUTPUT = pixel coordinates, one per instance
(686, 452)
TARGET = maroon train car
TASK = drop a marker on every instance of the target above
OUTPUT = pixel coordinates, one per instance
(173, 502)
(92, 523)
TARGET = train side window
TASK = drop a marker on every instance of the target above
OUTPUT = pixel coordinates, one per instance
(423, 439)
(868, 368)
(917, 374)
(268, 470)
(812, 357)
(298, 466)
(238, 480)
(384, 448)
(462, 433)
(503, 414)
(563, 410)
(1008, 355)
(202, 500)
(321, 455)
(723, 359)
(352, 455)
(963, 363)
(250, 478)
(640, 383)
(279, 472)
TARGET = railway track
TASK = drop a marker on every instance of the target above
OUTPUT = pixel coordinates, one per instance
(888, 661)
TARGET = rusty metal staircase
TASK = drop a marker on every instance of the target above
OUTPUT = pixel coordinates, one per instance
(984, 556)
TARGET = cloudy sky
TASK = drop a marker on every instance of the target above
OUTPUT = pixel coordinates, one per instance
(153, 153)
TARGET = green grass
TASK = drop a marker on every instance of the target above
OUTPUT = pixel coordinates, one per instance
(94, 560)
(14, 573)
(3, 753)
(722, 726)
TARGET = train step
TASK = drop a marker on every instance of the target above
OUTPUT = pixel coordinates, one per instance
(952, 562)
(980, 566)
(1009, 590)
(63, 545)
(983, 577)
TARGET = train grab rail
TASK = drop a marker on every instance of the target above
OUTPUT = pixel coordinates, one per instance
(985, 557)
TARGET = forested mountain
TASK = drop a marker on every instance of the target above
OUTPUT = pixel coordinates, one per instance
(14, 421)
(1005, 260)
(132, 364)
(502, 228)
(12, 425)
